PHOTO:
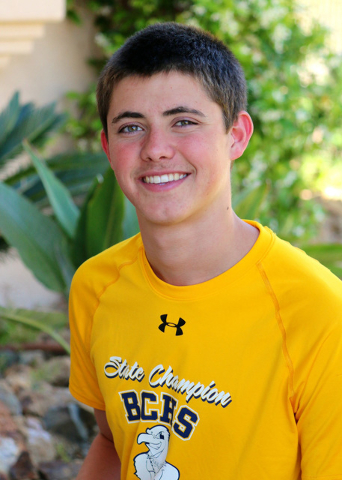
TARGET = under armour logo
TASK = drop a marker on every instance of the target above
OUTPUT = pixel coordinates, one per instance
(178, 326)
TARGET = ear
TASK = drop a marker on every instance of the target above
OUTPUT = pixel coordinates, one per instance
(105, 146)
(240, 133)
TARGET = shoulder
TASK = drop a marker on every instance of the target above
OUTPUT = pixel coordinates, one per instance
(291, 269)
(104, 268)
(305, 292)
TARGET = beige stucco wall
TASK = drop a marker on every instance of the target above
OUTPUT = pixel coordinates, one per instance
(56, 65)
(19, 288)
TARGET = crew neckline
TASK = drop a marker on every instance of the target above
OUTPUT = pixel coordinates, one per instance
(187, 292)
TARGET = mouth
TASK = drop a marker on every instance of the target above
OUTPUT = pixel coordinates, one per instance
(165, 178)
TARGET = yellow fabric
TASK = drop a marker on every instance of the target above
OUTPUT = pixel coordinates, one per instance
(267, 334)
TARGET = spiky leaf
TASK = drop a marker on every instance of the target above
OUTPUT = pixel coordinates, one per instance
(60, 199)
(36, 237)
(105, 215)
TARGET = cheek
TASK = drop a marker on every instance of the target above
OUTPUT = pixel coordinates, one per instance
(120, 156)
(195, 150)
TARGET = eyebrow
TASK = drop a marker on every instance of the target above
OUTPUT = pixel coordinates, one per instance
(182, 109)
(127, 114)
(172, 111)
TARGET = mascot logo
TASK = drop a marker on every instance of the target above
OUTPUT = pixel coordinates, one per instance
(152, 464)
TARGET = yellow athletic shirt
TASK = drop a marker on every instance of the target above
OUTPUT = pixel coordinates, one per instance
(236, 378)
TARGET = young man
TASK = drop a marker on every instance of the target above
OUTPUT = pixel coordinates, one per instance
(208, 347)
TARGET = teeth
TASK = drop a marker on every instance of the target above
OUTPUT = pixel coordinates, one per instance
(170, 177)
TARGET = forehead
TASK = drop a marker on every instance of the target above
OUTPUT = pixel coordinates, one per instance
(161, 90)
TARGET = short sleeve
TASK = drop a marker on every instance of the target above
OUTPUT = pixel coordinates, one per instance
(319, 414)
(83, 382)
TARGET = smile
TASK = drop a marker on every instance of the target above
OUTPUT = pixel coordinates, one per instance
(166, 178)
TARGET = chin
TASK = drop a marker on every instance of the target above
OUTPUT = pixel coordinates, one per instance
(161, 218)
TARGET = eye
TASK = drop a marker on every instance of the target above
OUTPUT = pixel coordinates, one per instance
(161, 436)
(184, 123)
(130, 129)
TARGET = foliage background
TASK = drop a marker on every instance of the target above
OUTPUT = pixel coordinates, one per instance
(295, 95)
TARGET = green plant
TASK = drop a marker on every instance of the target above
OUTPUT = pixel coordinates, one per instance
(46, 322)
(295, 94)
(17, 122)
(53, 247)
(76, 170)
(329, 255)
(25, 121)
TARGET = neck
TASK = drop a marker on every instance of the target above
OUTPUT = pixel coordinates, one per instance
(192, 253)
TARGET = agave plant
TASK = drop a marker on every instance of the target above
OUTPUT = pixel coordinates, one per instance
(76, 170)
(52, 247)
(25, 121)
(19, 121)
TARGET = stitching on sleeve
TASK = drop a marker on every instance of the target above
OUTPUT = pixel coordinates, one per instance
(280, 325)
(99, 295)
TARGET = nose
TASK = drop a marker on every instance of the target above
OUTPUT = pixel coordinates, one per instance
(157, 146)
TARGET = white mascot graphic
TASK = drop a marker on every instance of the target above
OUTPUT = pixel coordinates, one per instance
(152, 465)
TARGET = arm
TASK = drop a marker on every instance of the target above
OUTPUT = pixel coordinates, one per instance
(102, 460)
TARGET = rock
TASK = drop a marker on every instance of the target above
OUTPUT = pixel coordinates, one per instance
(7, 358)
(8, 428)
(66, 421)
(33, 358)
(19, 378)
(23, 468)
(39, 442)
(9, 399)
(62, 396)
(27, 450)
(59, 470)
(11, 440)
(88, 418)
(37, 402)
(56, 371)
(9, 452)
(67, 449)
(71, 421)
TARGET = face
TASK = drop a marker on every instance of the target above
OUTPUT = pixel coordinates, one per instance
(169, 149)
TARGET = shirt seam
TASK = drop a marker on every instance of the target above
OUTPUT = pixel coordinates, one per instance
(311, 369)
(98, 299)
(281, 327)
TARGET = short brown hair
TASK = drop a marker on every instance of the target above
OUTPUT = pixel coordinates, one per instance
(166, 47)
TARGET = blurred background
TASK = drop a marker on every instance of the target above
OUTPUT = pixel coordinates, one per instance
(59, 203)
